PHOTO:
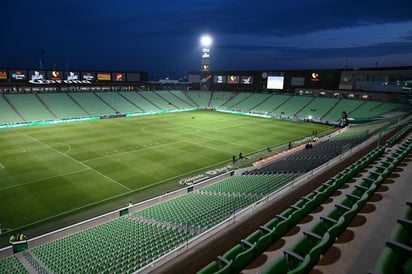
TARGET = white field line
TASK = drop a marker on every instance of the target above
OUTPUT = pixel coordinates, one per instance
(132, 151)
(197, 133)
(80, 163)
(203, 145)
(42, 179)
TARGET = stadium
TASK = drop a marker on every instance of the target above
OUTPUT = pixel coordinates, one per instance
(295, 171)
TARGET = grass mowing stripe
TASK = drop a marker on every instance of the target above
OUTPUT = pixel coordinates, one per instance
(164, 149)
(83, 164)
(47, 178)
(229, 142)
(130, 151)
(212, 147)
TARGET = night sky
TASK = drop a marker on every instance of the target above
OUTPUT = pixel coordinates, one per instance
(162, 37)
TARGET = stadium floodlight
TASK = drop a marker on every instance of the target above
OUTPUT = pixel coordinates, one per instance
(206, 40)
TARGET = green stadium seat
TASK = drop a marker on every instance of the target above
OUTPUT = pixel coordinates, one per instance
(395, 258)
(403, 232)
(245, 257)
(278, 266)
(212, 267)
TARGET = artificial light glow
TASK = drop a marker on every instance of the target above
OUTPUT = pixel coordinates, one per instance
(206, 41)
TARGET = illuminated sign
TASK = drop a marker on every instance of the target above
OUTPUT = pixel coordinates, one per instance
(246, 80)
(18, 75)
(118, 77)
(71, 75)
(205, 53)
(233, 79)
(54, 75)
(3, 75)
(37, 75)
(88, 76)
(314, 77)
(220, 79)
(103, 76)
(51, 82)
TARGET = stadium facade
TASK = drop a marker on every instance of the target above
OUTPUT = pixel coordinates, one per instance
(389, 83)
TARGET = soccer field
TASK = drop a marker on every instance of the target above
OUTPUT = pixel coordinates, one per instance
(52, 170)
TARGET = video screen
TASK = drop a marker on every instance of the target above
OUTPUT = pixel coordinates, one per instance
(103, 76)
(3, 74)
(18, 75)
(246, 80)
(233, 79)
(220, 79)
(275, 82)
(54, 75)
(297, 81)
(133, 77)
(118, 77)
(72, 75)
(88, 76)
(37, 75)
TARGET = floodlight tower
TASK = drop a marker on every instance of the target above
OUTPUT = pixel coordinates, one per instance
(205, 42)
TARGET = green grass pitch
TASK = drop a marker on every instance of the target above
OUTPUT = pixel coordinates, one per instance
(47, 171)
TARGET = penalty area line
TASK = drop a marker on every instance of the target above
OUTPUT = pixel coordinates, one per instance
(79, 162)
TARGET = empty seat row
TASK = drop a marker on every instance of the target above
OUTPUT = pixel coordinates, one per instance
(259, 241)
(306, 251)
(329, 226)
(396, 257)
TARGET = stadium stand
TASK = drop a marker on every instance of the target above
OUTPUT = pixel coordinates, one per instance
(293, 105)
(92, 104)
(318, 236)
(201, 98)
(318, 108)
(157, 100)
(175, 98)
(124, 245)
(347, 105)
(141, 104)
(258, 185)
(253, 102)
(219, 98)
(62, 106)
(197, 210)
(51, 106)
(29, 106)
(7, 113)
(365, 110)
(12, 265)
(117, 102)
(240, 98)
(271, 102)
